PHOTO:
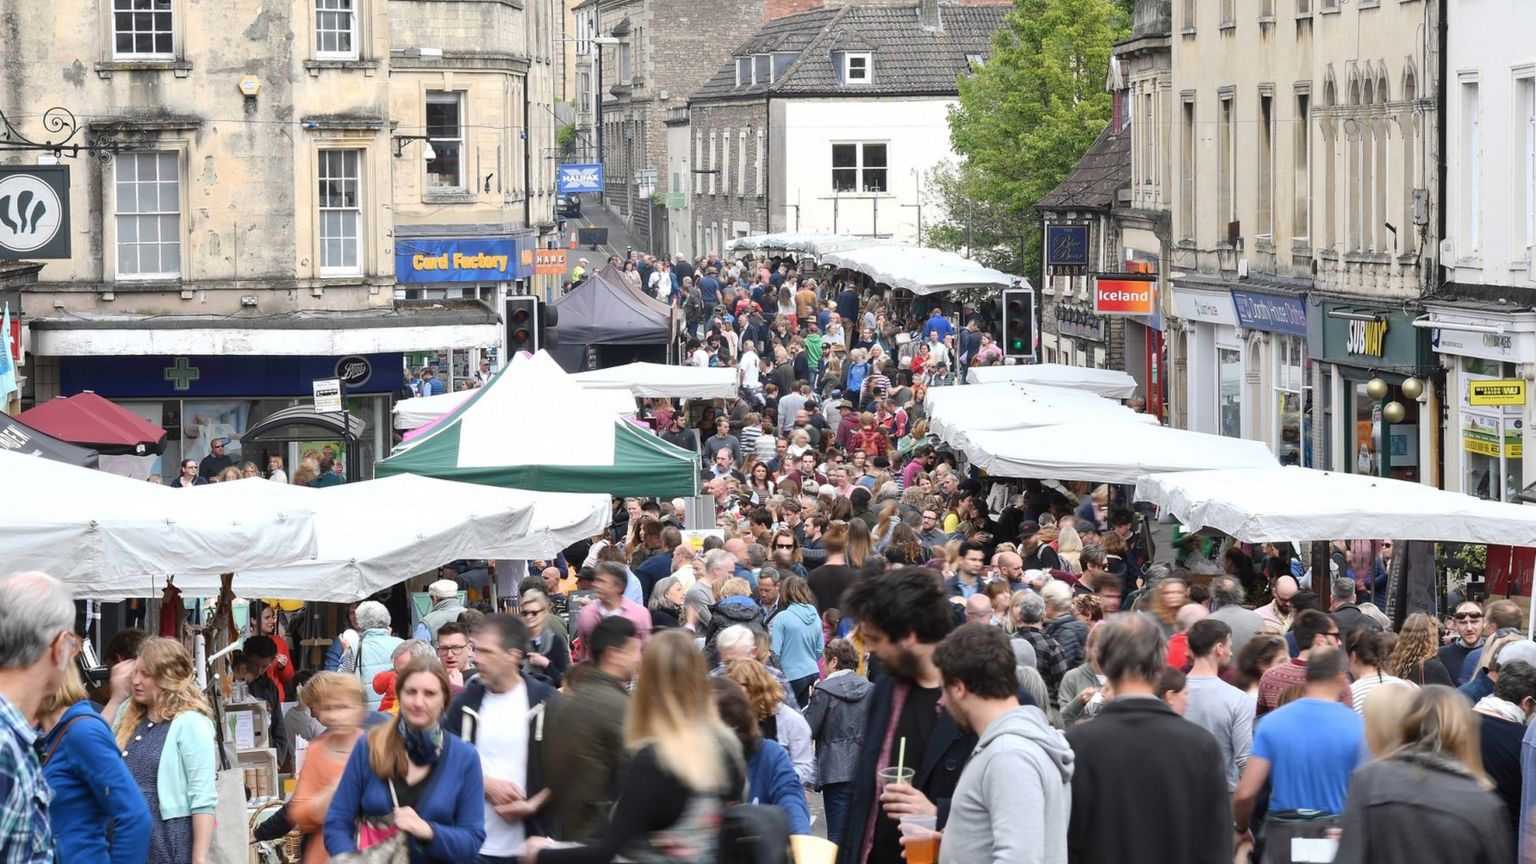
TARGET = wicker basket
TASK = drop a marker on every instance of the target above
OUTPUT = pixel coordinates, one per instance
(290, 850)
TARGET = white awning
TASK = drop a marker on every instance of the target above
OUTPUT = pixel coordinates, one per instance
(1273, 505)
(1109, 452)
(814, 245)
(658, 380)
(422, 410)
(108, 536)
(921, 270)
(1105, 382)
(955, 413)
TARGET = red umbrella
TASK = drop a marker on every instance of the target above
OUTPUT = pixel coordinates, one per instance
(91, 421)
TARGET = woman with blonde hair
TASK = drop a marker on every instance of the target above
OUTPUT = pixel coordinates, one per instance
(859, 544)
(228, 474)
(336, 701)
(886, 522)
(686, 766)
(97, 812)
(1069, 548)
(776, 717)
(1383, 709)
(307, 471)
(1414, 658)
(1429, 799)
(165, 733)
(408, 776)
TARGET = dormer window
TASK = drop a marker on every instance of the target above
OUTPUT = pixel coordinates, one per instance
(857, 68)
(762, 69)
(743, 71)
(975, 61)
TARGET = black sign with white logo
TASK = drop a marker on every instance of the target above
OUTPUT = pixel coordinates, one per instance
(354, 371)
(34, 211)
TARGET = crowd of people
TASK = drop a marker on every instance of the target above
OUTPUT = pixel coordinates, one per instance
(1008, 675)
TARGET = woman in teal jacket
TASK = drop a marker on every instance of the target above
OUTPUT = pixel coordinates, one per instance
(797, 637)
(165, 732)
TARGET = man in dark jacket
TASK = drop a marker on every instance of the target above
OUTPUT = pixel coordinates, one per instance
(1148, 785)
(903, 615)
(502, 714)
(586, 752)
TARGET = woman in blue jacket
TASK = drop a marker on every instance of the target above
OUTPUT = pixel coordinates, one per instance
(771, 777)
(98, 814)
(797, 636)
(413, 776)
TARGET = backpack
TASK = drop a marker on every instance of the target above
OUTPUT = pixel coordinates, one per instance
(753, 834)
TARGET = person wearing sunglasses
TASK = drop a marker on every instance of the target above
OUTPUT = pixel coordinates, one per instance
(549, 655)
(1467, 625)
(188, 476)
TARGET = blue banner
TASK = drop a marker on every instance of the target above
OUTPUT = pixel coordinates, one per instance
(585, 177)
(463, 259)
(191, 376)
(1271, 313)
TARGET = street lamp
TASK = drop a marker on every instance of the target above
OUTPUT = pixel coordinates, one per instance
(597, 109)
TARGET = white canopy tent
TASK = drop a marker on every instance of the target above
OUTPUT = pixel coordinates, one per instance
(424, 410)
(1105, 382)
(955, 413)
(658, 380)
(378, 533)
(106, 535)
(919, 269)
(813, 245)
(1272, 505)
(1108, 452)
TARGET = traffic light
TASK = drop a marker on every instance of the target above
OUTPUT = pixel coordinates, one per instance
(530, 324)
(522, 322)
(1019, 323)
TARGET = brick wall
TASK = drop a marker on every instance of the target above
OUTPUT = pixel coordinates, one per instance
(734, 200)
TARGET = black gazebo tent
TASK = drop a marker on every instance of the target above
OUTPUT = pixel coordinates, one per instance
(605, 322)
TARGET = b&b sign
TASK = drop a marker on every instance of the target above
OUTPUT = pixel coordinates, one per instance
(581, 177)
(34, 211)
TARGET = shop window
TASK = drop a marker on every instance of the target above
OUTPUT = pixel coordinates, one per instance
(1229, 395)
(1492, 438)
(1290, 443)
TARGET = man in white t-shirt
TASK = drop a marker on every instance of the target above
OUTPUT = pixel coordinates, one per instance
(501, 713)
(748, 375)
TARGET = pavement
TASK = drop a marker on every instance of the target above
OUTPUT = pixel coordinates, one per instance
(595, 215)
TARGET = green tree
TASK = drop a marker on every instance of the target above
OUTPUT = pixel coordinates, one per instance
(1023, 120)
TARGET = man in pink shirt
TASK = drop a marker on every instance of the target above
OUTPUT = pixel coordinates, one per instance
(609, 582)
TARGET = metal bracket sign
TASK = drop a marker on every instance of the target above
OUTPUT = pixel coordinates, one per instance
(1510, 392)
(34, 212)
(327, 395)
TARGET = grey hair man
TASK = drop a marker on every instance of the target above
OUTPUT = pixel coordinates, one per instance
(700, 599)
(37, 644)
(1029, 615)
(1345, 612)
(1138, 742)
(1227, 607)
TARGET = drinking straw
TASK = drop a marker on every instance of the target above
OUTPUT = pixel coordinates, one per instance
(901, 755)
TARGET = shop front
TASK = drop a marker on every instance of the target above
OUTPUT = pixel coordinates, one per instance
(201, 398)
(1207, 360)
(1374, 366)
(1489, 358)
(1270, 361)
(484, 268)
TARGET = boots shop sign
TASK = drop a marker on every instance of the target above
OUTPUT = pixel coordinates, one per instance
(34, 212)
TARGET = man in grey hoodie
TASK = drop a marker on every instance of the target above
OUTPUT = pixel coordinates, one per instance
(1014, 797)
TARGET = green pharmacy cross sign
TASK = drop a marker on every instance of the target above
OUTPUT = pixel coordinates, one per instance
(182, 374)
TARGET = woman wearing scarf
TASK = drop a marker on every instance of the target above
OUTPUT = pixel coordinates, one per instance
(410, 777)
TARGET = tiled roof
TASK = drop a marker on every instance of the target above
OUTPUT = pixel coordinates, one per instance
(908, 58)
(1097, 177)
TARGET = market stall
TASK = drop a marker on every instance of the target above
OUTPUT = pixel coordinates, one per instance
(920, 270)
(91, 421)
(1110, 383)
(657, 380)
(109, 536)
(18, 437)
(955, 413)
(1289, 504)
(425, 410)
(534, 427)
(605, 320)
(1108, 452)
(808, 245)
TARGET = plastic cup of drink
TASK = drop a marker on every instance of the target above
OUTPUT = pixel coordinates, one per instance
(922, 839)
(894, 775)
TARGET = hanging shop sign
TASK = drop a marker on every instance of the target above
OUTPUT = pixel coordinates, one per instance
(1124, 294)
(1496, 392)
(549, 262)
(1066, 250)
(34, 212)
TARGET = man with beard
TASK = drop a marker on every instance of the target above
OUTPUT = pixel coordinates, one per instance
(903, 614)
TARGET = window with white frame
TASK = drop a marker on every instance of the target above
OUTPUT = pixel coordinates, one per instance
(860, 167)
(1289, 384)
(147, 208)
(1525, 150)
(143, 28)
(445, 133)
(341, 212)
(858, 68)
(1471, 171)
(743, 71)
(336, 29)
